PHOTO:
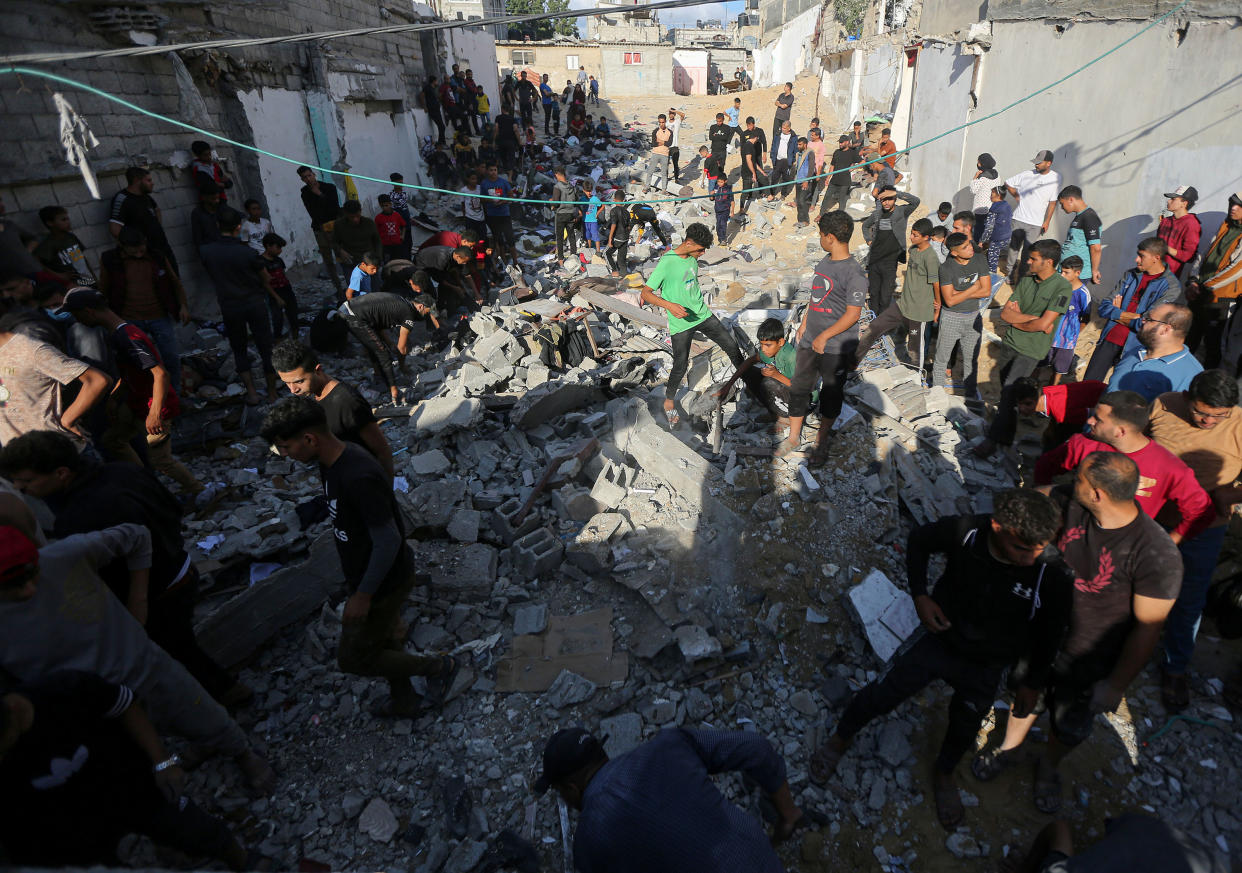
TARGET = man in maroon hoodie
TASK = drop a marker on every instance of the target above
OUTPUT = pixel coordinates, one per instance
(1180, 229)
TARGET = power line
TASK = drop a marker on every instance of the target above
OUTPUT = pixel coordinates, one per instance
(19, 71)
(323, 36)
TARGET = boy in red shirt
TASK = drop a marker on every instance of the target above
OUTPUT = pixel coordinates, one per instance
(286, 308)
(391, 227)
(206, 168)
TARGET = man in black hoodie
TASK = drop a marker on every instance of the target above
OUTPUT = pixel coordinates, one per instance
(1001, 598)
(885, 231)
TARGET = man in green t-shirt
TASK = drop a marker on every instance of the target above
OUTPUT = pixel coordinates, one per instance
(918, 302)
(1039, 300)
(674, 287)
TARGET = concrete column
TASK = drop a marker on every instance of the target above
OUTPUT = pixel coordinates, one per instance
(856, 78)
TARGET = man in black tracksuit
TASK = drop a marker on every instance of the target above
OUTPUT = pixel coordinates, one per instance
(885, 231)
(1002, 597)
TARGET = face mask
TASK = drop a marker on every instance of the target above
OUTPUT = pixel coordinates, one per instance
(56, 315)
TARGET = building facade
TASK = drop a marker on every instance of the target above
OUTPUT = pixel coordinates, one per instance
(349, 106)
(623, 69)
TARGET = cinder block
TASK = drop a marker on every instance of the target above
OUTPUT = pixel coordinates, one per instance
(612, 485)
(574, 503)
(537, 554)
(503, 521)
(597, 424)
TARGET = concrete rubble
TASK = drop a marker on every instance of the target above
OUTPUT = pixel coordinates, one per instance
(595, 566)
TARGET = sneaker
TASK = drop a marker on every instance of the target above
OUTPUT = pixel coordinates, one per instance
(438, 685)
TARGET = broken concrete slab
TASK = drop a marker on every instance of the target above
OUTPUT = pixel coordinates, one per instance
(696, 643)
(468, 573)
(238, 627)
(530, 619)
(886, 613)
(464, 525)
(574, 503)
(590, 550)
(658, 452)
(569, 689)
(624, 733)
(432, 463)
(547, 401)
(441, 414)
(431, 505)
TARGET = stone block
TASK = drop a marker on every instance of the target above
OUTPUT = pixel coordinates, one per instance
(660, 453)
(377, 821)
(464, 526)
(597, 424)
(432, 463)
(624, 733)
(574, 503)
(545, 402)
(468, 573)
(432, 504)
(568, 689)
(530, 619)
(537, 553)
(696, 643)
(590, 550)
(442, 414)
(504, 524)
(612, 485)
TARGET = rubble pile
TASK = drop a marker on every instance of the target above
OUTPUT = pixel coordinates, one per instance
(596, 566)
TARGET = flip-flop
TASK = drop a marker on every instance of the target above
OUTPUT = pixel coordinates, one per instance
(823, 763)
(990, 763)
(1047, 791)
(949, 808)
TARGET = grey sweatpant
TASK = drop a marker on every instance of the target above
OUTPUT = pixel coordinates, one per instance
(179, 705)
(957, 327)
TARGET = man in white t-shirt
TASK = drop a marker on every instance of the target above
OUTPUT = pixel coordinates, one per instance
(1035, 200)
(472, 206)
(675, 118)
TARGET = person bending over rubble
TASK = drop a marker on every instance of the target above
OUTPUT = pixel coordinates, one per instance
(769, 371)
(57, 614)
(674, 287)
(377, 562)
(655, 808)
(368, 317)
(827, 337)
(1001, 597)
(349, 416)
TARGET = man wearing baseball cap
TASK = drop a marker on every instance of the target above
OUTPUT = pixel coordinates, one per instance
(655, 809)
(1035, 199)
(1214, 287)
(1180, 229)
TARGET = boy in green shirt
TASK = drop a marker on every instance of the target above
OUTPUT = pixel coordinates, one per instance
(769, 382)
(918, 302)
(1040, 299)
(674, 287)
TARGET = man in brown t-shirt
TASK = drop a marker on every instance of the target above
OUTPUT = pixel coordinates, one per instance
(31, 376)
(1203, 427)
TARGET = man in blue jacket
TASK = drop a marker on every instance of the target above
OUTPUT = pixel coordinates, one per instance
(1148, 284)
(784, 153)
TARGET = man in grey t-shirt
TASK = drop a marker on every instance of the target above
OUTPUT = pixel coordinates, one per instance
(827, 337)
(964, 282)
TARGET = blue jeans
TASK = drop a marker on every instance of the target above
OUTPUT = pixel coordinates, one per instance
(164, 334)
(1198, 561)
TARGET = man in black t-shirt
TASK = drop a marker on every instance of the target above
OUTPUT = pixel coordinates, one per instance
(720, 135)
(885, 231)
(323, 205)
(1002, 596)
(841, 181)
(754, 150)
(618, 235)
(81, 766)
(133, 206)
(784, 104)
(370, 540)
(349, 416)
(368, 317)
(1127, 577)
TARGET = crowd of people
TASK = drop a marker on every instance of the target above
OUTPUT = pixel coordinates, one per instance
(1058, 598)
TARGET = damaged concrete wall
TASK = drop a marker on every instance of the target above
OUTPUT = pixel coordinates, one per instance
(287, 99)
(943, 75)
(1183, 128)
(946, 16)
(862, 81)
(1108, 10)
(790, 53)
(653, 75)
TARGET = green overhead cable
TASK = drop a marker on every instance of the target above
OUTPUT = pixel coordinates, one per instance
(62, 80)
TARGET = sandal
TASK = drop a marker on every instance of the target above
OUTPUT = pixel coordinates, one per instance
(1047, 790)
(819, 455)
(990, 763)
(438, 685)
(949, 808)
(824, 763)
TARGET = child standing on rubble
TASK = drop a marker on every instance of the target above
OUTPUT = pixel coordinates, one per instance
(618, 235)
(590, 220)
(722, 198)
(674, 287)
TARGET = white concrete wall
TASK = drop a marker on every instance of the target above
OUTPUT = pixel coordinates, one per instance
(1123, 135)
(280, 126)
(782, 59)
(942, 78)
(881, 76)
(374, 144)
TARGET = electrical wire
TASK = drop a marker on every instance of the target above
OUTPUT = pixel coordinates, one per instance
(382, 30)
(28, 71)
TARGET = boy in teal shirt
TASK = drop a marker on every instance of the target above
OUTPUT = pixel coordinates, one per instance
(768, 373)
(674, 287)
(590, 221)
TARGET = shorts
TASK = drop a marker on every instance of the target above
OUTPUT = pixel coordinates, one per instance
(502, 229)
(590, 230)
(1062, 360)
